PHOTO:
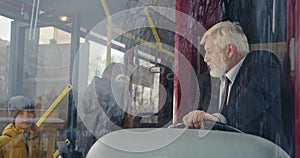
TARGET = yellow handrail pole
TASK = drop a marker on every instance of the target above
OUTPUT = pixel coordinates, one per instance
(120, 31)
(166, 52)
(153, 28)
(109, 31)
(129, 35)
(111, 27)
(54, 105)
(56, 153)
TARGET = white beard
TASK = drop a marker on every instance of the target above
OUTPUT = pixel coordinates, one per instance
(218, 70)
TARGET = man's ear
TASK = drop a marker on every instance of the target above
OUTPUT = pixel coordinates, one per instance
(231, 50)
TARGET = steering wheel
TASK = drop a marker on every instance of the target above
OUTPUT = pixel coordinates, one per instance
(208, 124)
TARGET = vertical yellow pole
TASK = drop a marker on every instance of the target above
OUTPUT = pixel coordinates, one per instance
(109, 31)
(109, 38)
(153, 28)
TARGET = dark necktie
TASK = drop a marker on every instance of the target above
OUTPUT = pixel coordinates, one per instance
(225, 96)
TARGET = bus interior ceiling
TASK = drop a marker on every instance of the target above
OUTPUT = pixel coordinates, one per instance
(90, 12)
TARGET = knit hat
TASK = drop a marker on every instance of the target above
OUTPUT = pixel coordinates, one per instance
(17, 104)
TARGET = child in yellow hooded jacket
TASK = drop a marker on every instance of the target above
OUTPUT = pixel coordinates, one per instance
(21, 137)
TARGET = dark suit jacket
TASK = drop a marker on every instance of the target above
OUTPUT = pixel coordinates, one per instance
(254, 104)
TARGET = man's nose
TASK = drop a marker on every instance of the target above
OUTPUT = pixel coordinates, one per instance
(26, 114)
(206, 58)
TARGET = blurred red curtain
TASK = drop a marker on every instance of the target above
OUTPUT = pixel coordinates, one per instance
(293, 30)
(207, 13)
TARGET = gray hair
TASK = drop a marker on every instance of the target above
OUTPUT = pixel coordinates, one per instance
(228, 32)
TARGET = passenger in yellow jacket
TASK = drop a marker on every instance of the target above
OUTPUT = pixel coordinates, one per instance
(21, 138)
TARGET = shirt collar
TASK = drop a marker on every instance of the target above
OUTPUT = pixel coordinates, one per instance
(232, 73)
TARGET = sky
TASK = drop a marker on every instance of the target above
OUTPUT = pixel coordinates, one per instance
(5, 28)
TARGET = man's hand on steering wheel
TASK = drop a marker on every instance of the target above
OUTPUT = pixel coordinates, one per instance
(195, 119)
(198, 119)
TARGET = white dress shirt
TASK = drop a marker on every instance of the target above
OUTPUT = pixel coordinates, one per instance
(231, 75)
